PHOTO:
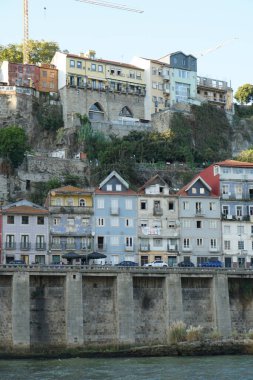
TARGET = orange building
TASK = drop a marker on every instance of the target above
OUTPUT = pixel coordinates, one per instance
(48, 79)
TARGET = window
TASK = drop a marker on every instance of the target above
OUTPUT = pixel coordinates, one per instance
(199, 224)
(82, 202)
(118, 187)
(109, 187)
(100, 68)
(157, 223)
(24, 242)
(114, 240)
(186, 205)
(10, 241)
(186, 243)
(143, 205)
(56, 221)
(100, 203)
(40, 242)
(25, 219)
(40, 220)
(213, 243)
(85, 222)
(72, 63)
(79, 64)
(251, 229)
(213, 224)
(10, 219)
(202, 190)
(186, 223)
(199, 242)
(171, 206)
(240, 230)
(85, 243)
(129, 241)
(44, 74)
(52, 75)
(154, 85)
(212, 206)
(225, 210)
(194, 190)
(71, 221)
(238, 210)
(160, 86)
(241, 244)
(70, 202)
(227, 245)
(100, 222)
(114, 222)
(154, 71)
(131, 74)
(129, 222)
(143, 223)
(129, 204)
(157, 242)
(182, 92)
(238, 189)
(225, 189)
(94, 84)
(171, 224)
(93, 67)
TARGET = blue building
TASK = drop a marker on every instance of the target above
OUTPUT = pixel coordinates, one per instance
(115, 219)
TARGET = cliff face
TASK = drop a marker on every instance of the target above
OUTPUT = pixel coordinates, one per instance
(242, 135)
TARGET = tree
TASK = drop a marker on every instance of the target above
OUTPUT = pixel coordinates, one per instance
(244, 94)
(13, 144)
(246, 155)
(39, 51)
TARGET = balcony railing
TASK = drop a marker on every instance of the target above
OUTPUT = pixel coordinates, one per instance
(172, 248)
(25, 246)
(114, 210)
(157, 211)
(40, 246)
(129, 248)
(10, 245)
(144, 247)
(71, 210)
(200, 212)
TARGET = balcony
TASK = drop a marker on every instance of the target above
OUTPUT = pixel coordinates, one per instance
(157, 211)
(144, 247)
(10, 245)
(56, 246)
(213, 249)
(187, 249)
(25, 246)
(199, 212)
(71, 210)
(41, 246)
(100, 247)
(70, 246)
(172, 248)
(114, 211)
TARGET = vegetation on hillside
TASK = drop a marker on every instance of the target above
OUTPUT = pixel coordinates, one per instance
(246, 155)
(13, 145)
(39, 51)
(244, 94)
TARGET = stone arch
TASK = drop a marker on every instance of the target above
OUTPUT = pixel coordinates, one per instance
(96, 112)
(126, 112)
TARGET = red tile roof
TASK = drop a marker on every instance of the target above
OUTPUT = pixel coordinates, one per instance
(235, 164)
(25, 210)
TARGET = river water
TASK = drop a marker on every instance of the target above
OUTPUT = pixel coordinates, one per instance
(165, 368)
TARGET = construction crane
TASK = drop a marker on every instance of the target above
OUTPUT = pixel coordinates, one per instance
(93, 2)
(210, 50)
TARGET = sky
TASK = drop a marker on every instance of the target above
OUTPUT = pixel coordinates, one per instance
(195, 27)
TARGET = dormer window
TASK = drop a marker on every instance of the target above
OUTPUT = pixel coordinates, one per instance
(118, 187)
(202, 190)
(109, 187)
(194, 190)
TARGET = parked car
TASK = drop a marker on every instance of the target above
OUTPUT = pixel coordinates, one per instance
(156, 263)
(212, 264)
(17, 262)
(185, 264)
(127, 263)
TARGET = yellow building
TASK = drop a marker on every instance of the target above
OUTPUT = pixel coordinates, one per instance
(86, 71)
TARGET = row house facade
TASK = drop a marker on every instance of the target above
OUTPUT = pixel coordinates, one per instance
(115, 216)
(25, 233)
(71, 221)
(41, 77)
(215, 92)
(158, 224)
(200, 223)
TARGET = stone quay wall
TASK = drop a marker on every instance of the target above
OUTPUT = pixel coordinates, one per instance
(98, 307)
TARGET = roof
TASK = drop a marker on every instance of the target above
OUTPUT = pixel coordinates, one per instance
(69, 189)
(119, 193)
(235, 164)
(114, 174)
(25, 210)
(122, 64)
(153, 180)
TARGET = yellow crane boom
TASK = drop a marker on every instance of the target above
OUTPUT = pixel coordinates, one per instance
(101, 3)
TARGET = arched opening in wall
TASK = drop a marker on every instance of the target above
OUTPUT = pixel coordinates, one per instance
(125, 112)
(96, 112)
